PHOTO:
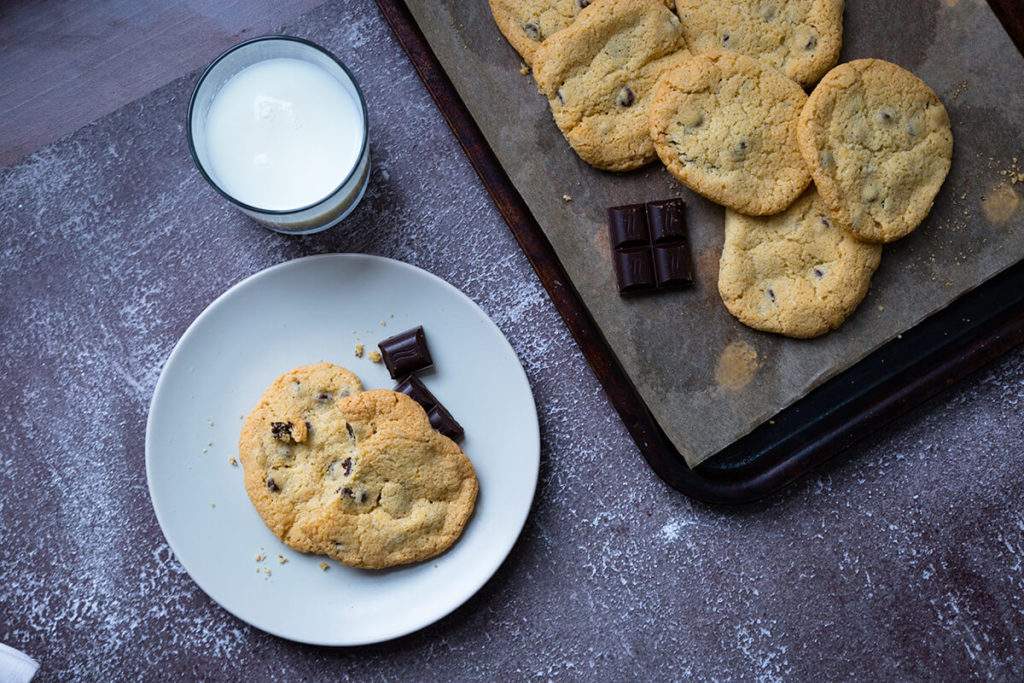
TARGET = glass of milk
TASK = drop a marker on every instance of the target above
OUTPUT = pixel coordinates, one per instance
(278, 126)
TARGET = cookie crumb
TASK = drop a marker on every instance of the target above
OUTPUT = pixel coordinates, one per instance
(881, 308)
(234, 463)
(566, 198)
(209, 422)
(359, 350)
(204, 450)
(374, 356)
(209, 443)
(383, 323)
(213, 505)
(281, 559)
(523, 69)
(324, 566)
(266, 570)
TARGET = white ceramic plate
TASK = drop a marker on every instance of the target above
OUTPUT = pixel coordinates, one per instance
(304, 311)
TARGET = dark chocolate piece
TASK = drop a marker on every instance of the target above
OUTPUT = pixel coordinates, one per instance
(635, 270)
(415, 389)
(672, 265)
(442, 421)
(628, 226)
(666, 220)
(405, 353)
(440, 418)
(650, 248)
(625, 98)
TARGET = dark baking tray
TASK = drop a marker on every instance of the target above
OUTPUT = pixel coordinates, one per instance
(973, 330)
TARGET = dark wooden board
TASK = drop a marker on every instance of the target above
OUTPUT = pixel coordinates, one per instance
(946, 347)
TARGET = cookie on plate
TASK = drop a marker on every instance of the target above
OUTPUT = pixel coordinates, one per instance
(725, 126)
(796, 273)
(393, 490)
(878, 142)
(800, 38)
(597, 75)
(283, 443)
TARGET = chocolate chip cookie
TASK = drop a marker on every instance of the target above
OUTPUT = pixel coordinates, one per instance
(283, 441)
(800, 38)
(389, 489)
(526, 23)
(597, 75)
(879, 143)
(725, 126)
(796, 273)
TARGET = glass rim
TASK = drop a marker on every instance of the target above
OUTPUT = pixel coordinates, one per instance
(224, 193)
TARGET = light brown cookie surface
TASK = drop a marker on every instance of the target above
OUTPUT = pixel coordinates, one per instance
(597, 75)
(796, 273)
(879, 143)
(283, 440)
(526, 23)
(725, 126)
(396, 491)
(800, 38)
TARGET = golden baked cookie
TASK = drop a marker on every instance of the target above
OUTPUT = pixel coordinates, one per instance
(597, 75)
(725, 126)
(391, 490)
(282, 444)
(878, 142)
(526, 23)
(796, 273)
(800, 38)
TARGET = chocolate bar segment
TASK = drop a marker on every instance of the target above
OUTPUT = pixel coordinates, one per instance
(672, 265)
(628, 226)
(649, 245)
(442, 421)
(635, 270)
(415, 389)
(666, 220)
(440, 418)
(405, 353)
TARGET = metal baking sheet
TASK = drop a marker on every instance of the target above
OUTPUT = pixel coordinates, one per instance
(707, 379)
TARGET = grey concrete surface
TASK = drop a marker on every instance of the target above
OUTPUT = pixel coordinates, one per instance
(903, 560)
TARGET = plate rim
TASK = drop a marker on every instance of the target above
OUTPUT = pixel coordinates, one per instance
(210, 310)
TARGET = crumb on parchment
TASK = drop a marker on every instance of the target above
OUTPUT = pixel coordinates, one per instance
(281, 559)
(359, 350)
(374, 356)
(324, 566)
(234, 463)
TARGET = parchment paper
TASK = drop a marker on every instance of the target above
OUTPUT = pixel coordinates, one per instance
(706, 378)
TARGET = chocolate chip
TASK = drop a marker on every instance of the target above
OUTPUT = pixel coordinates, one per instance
(561, 99)
(346, 491)
(739, 151)
(272, 485)
(323, 397)
(818, 272)
(625, 98)
(362, 497)
(351, 434)
(811, 42)
(725, 38)
(582, 3)
(826, 223)
(346, 465)
(282, 431)
(532, 31)
(771, 294)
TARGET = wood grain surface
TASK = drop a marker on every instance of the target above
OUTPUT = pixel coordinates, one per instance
(64, 63)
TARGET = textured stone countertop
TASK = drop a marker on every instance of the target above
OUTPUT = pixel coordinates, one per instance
(903, 559)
